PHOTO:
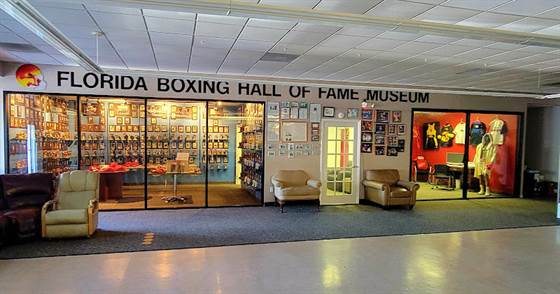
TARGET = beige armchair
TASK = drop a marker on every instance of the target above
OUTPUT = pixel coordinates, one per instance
(73, 213)
(384, 187)
(294, 185)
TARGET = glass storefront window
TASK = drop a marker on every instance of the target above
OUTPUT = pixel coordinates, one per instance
(42, 133)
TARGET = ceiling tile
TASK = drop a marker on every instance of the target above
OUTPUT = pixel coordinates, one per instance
(315, 28)
(394, 35)
(292, 3)
(222, 19)
(436, 39)
(343, 41)
(397, 8)
(529, 8)
(290, 48)
(213, 43)
(259, 46)
(169, 25)
(360, 31)
(447, 15)
(415, 47)
(381, 44)
(170, 39)
(489, 20)
(261, 34)
(528, 25)
(347, 6)
(271, 24)
(304, 38)
(475, 4)
(217, 30)
(169, 14)
(109, 21)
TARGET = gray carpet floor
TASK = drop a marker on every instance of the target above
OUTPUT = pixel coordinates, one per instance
(194, 228)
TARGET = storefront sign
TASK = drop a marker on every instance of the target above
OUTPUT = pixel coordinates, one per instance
(216, 87)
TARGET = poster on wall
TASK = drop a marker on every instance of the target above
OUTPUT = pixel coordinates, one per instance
(303, 110)
(352, 113)
(367, 137)
(380, 129)
(367, 114)
(382, 116)
(392, 151)
(328, 111)
(294, 110)
(273, 110)
(285, 113)
(315, 132)
(379, 150)
(366, 148)
(294, 132)
(396, 116)
(401, 129)
(430, 131)
(273, 131)
(315, 112)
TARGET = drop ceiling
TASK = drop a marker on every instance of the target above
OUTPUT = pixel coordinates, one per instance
(161, 40)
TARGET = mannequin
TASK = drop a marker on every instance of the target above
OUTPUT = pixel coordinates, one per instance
(483, 159)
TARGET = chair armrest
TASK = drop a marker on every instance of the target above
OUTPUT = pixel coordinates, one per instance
(411, 186)
(314, 183)
(276, 183)
(376, 185)
(93, 204)
(48, 206)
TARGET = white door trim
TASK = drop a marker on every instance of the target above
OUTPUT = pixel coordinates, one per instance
(355, 197)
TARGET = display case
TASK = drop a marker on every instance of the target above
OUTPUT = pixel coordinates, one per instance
(42, 133)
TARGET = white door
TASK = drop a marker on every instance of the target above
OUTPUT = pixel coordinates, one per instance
(340, 162)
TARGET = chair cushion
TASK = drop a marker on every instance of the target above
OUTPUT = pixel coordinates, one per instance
(26, 220)
(400, 192)
(67, 216)
(388, 176)
(292, 177)
(76, 189)
(297, 191)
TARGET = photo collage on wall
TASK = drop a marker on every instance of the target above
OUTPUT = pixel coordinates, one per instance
(293, 128)
(383, 132)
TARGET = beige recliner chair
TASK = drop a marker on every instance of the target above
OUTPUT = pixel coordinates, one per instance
(73, 213)
(384, 187)
(294, 185)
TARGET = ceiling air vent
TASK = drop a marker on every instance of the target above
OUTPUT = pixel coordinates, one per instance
(279, 57)
(19, 47)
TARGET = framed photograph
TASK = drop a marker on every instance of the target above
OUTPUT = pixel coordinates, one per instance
(380, 129)
(111, 113)
(367, 137)
(226, 129)
(382, 116)
(392, 129)
(392, 141)
(194, 129)
(157, 129)
(294, 112)
(153, 121)
(367, 126)
(180, 129)
(352, 113)
(273, 131)
(285, 113)
(396, 116)
(135, 128)
(173, 129)
(379, 140)
(315, 112)
(401, 145)
(366, 148)
(379, 150)
(129, 128)
(401, 129)
(111, 128)
(127, 120)
(163, 128)
(142, 128)
(293, 132)
(150, 128)
(273, 110)
(392, 151)
(220, 129)
(187, 129)
(328, 111)
(117, 128)
(367, 114)
(119, 120)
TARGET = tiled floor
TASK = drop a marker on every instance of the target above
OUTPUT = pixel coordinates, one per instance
(499, 261)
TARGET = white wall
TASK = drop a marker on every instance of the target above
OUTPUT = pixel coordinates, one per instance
(543, 140)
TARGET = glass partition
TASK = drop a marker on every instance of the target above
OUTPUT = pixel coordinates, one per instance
(235, 153)
(42, 133)
(112, 144)
(175, 138)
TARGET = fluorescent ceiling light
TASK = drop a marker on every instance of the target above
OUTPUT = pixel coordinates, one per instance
(28, 16)
(553, 96)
